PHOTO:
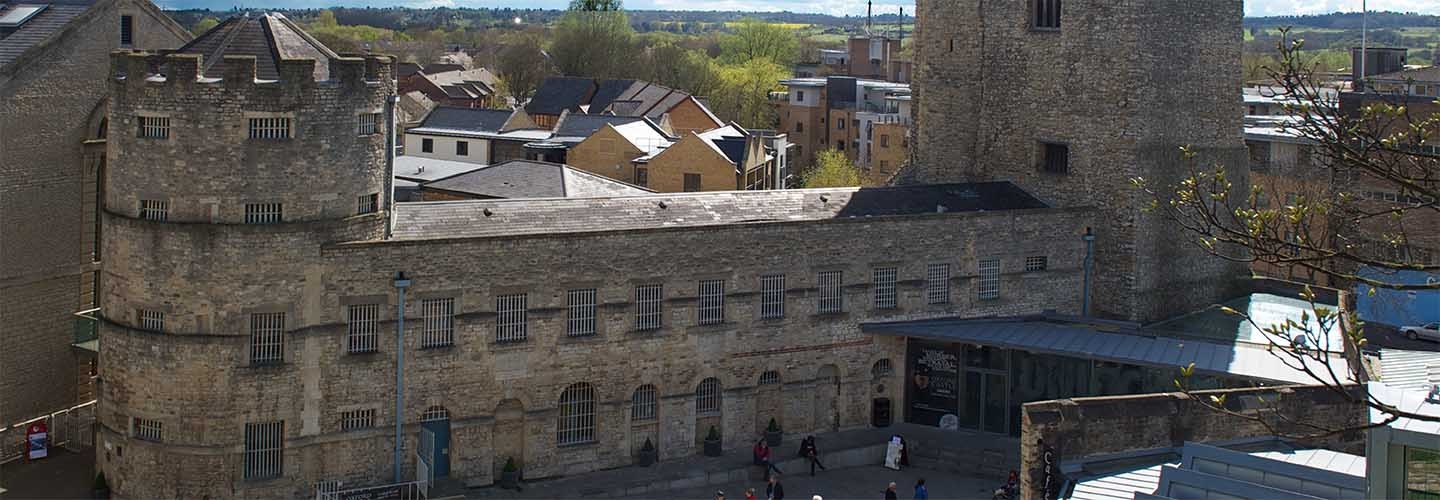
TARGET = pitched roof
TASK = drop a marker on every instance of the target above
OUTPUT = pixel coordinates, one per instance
(467, 219)
(560, 93)
(269, 37)
(405, 69)
(621, 97)
(465, 119)
(533, 179)
(579, 125)
(1428, 74)
(464, 84)
(423, 169)
(434, 68)
(38, 28)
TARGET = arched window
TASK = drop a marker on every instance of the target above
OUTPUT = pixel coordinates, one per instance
(771, 377)
(577, 415)
(882, 369)
(707, 397)
(642, 403)
(434, 413)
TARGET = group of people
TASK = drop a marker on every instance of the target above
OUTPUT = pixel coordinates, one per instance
(807, 451)
(775, 491)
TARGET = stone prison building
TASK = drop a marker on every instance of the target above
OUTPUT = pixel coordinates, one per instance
(255, 271)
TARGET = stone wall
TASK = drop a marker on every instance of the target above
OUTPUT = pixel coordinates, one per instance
(691, 155)
(1086, 427)
(606, 152)
(1124, 85)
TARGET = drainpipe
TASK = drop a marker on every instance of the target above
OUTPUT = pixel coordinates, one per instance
(401, 283)
(1089, 253)
(390, 135)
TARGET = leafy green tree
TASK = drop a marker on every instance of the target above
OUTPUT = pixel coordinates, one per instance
(522, 68)
(595, 5)
(593, 42)
(743, 95)
(831, 169)
(204, 25)
(690, 70)
(755, 39)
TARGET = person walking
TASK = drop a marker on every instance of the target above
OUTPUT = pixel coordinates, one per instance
(890, 492)
(749, 493)
(774, 490)
(921, 492)
(762, 457)
(720, 495)
(811, 453)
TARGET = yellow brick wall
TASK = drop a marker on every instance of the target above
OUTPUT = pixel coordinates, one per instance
(605, 153)
(691, 156)
(687, 117)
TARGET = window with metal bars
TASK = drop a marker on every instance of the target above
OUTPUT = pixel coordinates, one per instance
(263, 213)
(883, 283)
(1036, 263)
(577, 415)
(264, 450)
(156, 210)
(438, 316)
(772, 296)
(989, 284)
(580, 321)
(363, 330)
(154, 127)
(357, 419)
(937, 284)
(1055, 158)
(368, 204)
(369, 124)
(711, 310)
(770, 377)
(127, 30)
(510, 323)
(643, 403)
(831, 301)
(881, 369)
(267, 338)
(1047, 14)
(151, 320)
(649, 307)
(707, 397)
(147, 430)
(270, 128)
(435, 414)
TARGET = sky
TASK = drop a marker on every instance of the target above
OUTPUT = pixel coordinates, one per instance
(834, 7)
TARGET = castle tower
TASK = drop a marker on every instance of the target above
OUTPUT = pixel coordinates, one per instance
(233, 162)
(1071, 105)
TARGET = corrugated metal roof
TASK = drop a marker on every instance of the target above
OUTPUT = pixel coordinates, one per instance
(1145, 478)
(1418, 370)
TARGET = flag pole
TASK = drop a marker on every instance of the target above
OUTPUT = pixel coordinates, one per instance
(1364, 42)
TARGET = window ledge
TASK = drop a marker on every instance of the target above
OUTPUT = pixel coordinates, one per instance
(511, 345)
(580, 339)
(1042, 29)
(580, 445)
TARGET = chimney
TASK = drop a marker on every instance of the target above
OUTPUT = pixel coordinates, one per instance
(1376, 61)
(869, 6)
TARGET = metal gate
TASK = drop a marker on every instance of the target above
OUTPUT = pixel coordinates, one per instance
(71, 428)
(425, 456)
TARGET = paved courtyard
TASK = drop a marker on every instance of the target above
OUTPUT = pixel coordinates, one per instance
(856, 483)
(64, 474)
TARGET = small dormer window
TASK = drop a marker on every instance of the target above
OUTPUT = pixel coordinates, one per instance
(127, 31)
(1047, 14)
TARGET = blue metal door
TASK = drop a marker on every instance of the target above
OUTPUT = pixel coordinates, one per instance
(440, 452)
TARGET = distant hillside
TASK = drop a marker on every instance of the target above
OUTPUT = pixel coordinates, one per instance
(1346, 21)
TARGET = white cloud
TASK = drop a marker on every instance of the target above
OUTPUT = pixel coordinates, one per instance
(1302, 7)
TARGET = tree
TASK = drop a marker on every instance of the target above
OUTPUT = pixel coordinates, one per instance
(204, 25)
(831, 169)
(689, 70)
(522, 68)
(1339, 228)
(592, 43)
(744, 92)
(755, 39)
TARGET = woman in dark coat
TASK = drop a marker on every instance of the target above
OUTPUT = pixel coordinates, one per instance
(810, 452)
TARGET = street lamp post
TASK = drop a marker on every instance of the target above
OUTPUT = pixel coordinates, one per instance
(401, 283)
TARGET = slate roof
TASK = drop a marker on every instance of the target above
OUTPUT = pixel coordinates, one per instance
(464, 119)
(580, 126)
(405, 69)
(421, 169)
(620, 97)
(269, 37)
(466, 219)
(560, 93)
(533, 179)
(15, 41)
(1429, 74)
(464, 84)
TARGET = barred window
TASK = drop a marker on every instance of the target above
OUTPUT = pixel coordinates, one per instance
(707, 397)
(439, 322)
(510, 326)
(580, 322)
(264, 450)
(577, 415)
(989, 279)
(884, 282)
(1036, 263)
(772, 296)
(770, 377)
(156, 210)
(357, 419)
(642, 403)
(263, 213)
(270, 128)
(435, 414)
(1047, 14)
(154, 127)
(369, 124)
(711, 309)
(147, 430)
(649, 307)
(363, 332)
(267, 338)
(368, 204)
(151, 320)
(882, 369)
(937, 284)
(831, 300)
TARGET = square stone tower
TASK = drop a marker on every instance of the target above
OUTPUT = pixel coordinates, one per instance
(1071, 105)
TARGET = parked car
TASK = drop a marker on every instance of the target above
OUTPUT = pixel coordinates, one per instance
(1428, 331)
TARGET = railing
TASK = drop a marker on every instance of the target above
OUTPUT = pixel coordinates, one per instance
(413, 490)
(86, 328)
(71, 428)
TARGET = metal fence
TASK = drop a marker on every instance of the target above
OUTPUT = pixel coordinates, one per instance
(413, 490)
(71, 429)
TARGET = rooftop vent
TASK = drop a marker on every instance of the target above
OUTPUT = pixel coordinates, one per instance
(17, 15)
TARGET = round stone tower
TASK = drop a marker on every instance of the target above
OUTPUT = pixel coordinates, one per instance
(232, 162)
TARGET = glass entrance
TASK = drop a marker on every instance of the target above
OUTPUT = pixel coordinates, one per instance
(987, 390)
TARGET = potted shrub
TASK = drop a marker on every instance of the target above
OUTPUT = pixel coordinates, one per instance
(712, 443)
(773, 434)
(648, 455)
(101, 488)
(510, 475)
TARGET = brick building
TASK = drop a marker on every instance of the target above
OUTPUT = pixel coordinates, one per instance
(53, 61)
(867, 120)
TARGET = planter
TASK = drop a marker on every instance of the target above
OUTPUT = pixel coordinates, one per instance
(510, 479)
(648, 457)
(773, 438)
(712, 448)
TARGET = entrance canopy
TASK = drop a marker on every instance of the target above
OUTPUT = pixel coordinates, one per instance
(1105, 342)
